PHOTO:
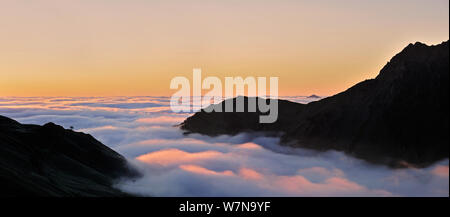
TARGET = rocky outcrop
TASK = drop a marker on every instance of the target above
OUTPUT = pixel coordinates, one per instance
(52, 161)
(399, 116)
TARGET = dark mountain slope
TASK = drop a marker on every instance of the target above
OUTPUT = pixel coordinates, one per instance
(52, 161)
(401, 115)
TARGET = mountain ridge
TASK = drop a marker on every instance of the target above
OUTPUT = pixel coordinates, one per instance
(49, 160)
(399, 116)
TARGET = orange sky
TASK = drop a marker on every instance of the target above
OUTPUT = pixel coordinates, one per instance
(135, 47)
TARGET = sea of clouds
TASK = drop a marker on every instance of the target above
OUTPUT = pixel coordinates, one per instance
(173, 164)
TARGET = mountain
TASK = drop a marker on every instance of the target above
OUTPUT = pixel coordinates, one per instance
(314, 96)
(399, 117)
(52, 161)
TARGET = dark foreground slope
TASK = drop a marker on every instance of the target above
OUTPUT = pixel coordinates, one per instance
(52, 161)
(401, 115)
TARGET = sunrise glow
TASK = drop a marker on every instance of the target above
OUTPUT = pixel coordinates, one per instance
(85, 48)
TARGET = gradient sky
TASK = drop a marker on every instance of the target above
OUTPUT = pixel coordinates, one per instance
(135, 47)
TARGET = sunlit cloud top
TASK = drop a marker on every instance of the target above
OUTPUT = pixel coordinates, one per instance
(142, 129)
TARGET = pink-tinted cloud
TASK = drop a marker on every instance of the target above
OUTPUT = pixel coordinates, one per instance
(249, 145)
(246, 164)
(441, 171)
(187, 141)
(247, 173)
(175, 156)
(203, 171)
(161, 120)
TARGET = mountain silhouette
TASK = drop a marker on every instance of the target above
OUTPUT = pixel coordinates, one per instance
(52, 161)
(314, 96)
(398, 118)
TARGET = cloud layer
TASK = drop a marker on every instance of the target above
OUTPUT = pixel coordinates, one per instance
(142, 129)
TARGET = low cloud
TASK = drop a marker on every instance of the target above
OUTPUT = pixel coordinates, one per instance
(142, 129)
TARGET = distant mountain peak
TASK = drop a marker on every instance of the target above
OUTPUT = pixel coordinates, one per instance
(313, 96)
